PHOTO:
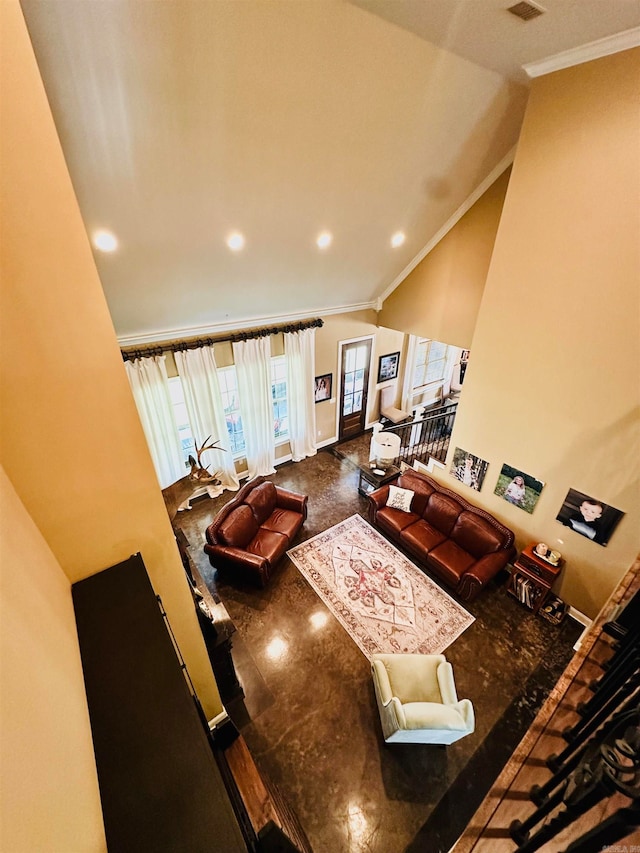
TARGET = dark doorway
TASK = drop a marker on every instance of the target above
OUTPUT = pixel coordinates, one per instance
(354, 386)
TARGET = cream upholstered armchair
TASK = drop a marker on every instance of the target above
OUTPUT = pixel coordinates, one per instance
(417, 699)
(388, 407)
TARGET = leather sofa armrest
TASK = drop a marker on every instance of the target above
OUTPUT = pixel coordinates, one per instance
(291, 500)
(480, 573)
(236, 556)
(377, 499)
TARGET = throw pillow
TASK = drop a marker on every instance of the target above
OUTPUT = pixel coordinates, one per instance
(400, 498)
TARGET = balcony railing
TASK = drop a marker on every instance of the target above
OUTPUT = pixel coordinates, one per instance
(427, 437)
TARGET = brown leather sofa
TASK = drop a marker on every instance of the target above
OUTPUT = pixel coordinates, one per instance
(459, 543)
(251, 533)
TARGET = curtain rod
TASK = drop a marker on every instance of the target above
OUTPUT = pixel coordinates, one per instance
(131, 353)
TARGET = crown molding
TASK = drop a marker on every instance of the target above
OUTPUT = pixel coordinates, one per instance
(236, 325)
(585, 53)
(495, 173)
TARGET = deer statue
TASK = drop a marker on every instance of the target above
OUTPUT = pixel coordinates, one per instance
(200, 473)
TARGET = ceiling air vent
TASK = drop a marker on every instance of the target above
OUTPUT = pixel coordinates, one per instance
(526, 11)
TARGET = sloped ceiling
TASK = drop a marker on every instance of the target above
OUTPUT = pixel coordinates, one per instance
(183, 121)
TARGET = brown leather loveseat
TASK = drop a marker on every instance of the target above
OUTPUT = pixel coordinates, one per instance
(252, 532)
(459, 543)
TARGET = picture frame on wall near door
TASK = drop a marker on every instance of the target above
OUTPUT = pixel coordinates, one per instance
(323, 387)
(388, 366)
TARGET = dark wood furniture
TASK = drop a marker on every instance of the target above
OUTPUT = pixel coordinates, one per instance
(166, 782)
(369, 481)
(532, 578)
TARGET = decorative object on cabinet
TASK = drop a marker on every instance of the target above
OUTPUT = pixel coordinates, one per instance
(532, 578)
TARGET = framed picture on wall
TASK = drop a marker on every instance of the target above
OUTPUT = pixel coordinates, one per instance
(388, 366)
(517, 488)
(589, 516)
(323, 387)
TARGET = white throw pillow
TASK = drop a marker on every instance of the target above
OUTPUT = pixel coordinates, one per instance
(400, 498)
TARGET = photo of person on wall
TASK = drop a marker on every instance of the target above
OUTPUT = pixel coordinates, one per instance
(589, 517)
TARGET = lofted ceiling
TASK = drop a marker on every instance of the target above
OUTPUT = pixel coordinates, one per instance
(184, 120)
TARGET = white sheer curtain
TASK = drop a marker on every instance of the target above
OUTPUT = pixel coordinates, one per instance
(199, 377)
(253, 369)
(150, 386)
(409, 370)
(300, 349)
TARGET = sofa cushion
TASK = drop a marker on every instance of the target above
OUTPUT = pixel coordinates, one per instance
(284, 521)
(421, 536)
(394, 520)
(400, 498)
(262, 500)
(450, 561)
(238, 528)
(268, 544)
(421, 489)
(442, 512)
(432, 715)
(476, 534)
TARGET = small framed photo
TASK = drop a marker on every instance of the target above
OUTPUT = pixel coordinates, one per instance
(323, 387)
(388, 366)
(517, 488)
(588, 516)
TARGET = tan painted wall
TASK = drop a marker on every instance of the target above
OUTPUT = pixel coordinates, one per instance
(552, 384)
(72, 443)
(441, 297)
(49, 797)
(346, 327)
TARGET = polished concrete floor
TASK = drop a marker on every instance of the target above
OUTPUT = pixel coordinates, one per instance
(309, 715)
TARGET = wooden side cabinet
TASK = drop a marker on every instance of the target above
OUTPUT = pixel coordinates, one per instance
(532, 578)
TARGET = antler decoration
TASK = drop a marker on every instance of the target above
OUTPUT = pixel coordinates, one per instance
(199, 472)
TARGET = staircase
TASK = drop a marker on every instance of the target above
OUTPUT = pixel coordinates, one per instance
(426, 437)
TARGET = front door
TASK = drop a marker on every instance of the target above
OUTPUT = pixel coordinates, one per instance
(356, 358)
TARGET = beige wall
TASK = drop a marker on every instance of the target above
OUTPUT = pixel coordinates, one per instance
(552, 384)
(49, 797)
(72, 444)
(441, 297)
(346, 327)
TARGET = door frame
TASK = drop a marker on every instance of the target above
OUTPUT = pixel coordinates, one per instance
(341, 344)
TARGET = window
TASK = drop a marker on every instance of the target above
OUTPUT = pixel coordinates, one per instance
(231, 403)
(279, 397)
(187, 443)
(431, 358)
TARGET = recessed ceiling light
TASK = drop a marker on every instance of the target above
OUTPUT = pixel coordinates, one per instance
(398, 239)
(235, 241)
(324, 240)
(105, 241)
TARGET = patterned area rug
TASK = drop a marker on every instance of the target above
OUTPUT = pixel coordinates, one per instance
(381, 599)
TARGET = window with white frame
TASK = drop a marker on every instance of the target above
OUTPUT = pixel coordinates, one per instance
(431, 358)
(279, 397)
(231, 403)
(187, 443)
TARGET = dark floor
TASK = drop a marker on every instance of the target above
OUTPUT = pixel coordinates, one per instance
(310, 717)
